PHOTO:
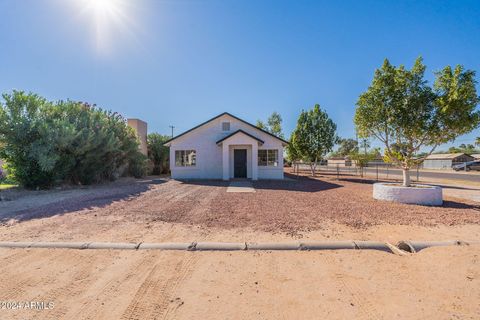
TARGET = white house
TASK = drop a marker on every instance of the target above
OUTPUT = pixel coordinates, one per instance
(226, 147)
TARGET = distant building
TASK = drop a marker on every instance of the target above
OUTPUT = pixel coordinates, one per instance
(140, 128)
(476, 156)
(339, 161)
(445, 160)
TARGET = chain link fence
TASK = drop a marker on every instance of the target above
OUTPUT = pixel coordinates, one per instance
(375, 170)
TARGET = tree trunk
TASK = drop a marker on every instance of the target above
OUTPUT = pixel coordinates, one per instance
(406, 177)
(313, 166)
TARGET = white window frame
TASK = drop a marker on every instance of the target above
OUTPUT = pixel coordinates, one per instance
(226, 126)
(185, 158)
(269, 153)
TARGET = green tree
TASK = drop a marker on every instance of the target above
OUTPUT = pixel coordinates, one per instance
(400, 107)
(157, 152)
(314, 136)
(260, 124)
(361, 159)
(463, 148)
(346, 147)
(477, 141)
(273, 125)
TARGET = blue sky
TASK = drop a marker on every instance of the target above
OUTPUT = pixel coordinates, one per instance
(183, 62)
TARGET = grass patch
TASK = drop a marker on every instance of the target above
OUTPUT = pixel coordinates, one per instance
(7, 186)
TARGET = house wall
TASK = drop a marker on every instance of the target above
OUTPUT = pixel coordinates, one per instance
(209, 154)
(339, 162)
(437, 164)
(445, 163)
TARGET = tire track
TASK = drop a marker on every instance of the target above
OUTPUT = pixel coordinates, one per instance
(108, 291)
(153, 297)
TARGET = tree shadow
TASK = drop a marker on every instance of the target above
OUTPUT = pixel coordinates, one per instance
(460, 205)
(101, 196)
(362, 180)
(294, 183)
(205, 182)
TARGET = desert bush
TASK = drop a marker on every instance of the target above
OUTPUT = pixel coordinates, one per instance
(66, 141)
(158, 153)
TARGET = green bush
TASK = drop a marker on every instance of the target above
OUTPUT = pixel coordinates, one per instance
(66, 141)
(158, 153)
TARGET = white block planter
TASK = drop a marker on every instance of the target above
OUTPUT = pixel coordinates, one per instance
(418, 194)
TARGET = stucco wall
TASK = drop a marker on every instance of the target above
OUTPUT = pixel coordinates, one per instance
(209, 154)
(140, 128)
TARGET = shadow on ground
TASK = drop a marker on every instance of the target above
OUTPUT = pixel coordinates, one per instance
(99, 197)
(290, 183)
(294, 183)
(206, 182)
(460, 205)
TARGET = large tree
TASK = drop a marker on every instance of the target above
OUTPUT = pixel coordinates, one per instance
(314, 136)
(273, 125)
(407, 114)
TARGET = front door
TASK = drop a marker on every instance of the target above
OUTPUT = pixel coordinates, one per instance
(240, 163)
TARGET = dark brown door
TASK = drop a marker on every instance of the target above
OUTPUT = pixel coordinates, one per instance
(240, 163)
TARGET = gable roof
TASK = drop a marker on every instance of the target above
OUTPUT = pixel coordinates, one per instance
(237, 132)
(439, 156)
(220, 115)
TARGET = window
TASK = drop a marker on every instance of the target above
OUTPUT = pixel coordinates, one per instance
(268, 157)
(225, 126)
(185, 158)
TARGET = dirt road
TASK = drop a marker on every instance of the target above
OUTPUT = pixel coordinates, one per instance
(438, 283)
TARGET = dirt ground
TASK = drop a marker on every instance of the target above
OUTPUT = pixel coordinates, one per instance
(437, 283)
(440, 283)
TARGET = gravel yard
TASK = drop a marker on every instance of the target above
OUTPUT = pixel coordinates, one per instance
(106, 284)
(291, 206)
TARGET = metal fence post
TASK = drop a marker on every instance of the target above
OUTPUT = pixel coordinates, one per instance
(338, 173)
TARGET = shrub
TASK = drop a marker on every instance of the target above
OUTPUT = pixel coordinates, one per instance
(158, 153)
(66, 141)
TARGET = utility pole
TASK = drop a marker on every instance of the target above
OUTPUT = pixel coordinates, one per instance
(172, 127)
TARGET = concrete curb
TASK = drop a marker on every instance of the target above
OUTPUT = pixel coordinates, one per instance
(165, 246)
(220, 246)
(273, 246)
(402, 247)
(328, 245)
(113, 245)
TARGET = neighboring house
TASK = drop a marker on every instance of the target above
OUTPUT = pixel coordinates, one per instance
(476, 156)
(445, 160)
(339, 161)
(226, 147)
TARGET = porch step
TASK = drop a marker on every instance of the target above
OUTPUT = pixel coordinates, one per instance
(240, 186)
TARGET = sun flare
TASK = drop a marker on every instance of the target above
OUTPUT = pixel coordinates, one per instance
(111, 20)
(103, 7)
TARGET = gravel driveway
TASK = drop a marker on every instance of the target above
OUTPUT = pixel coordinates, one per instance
(276, 206)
